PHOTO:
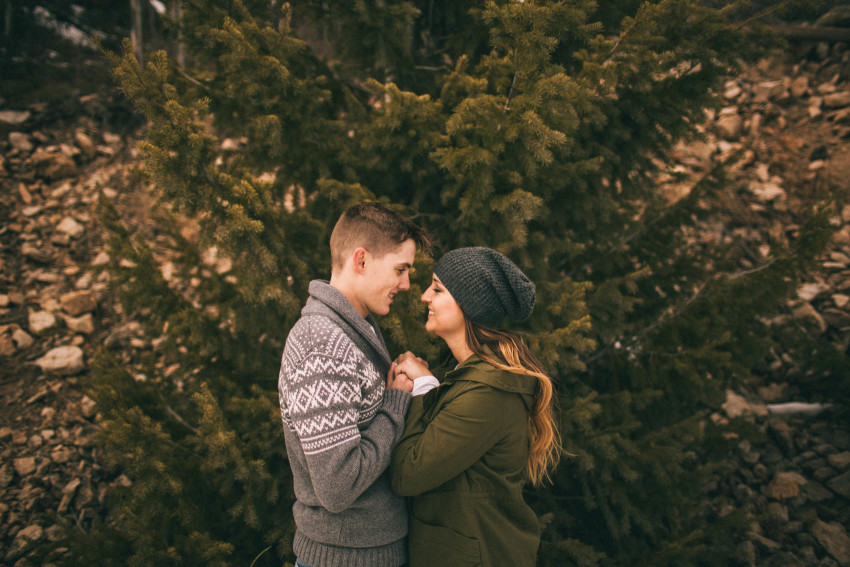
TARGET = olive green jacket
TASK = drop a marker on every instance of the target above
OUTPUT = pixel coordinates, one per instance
(462, 462)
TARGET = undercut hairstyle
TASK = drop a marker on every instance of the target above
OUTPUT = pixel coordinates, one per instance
(376, 228)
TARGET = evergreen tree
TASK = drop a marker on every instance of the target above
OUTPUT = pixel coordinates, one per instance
(528, 127)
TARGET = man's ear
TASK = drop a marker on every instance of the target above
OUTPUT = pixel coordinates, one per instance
(359, 256)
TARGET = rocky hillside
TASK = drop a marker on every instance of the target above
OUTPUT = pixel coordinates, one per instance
(784, 132)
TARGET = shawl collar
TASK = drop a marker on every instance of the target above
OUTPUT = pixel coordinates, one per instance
(328, 301)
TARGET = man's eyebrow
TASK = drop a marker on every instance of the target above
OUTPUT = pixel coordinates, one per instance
(404, 265)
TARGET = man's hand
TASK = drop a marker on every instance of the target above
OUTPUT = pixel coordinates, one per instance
(399, 380)
(411, 365)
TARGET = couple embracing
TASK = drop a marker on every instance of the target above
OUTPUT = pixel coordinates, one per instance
(390, 466)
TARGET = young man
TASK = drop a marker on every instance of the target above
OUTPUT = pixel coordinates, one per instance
(340, 420)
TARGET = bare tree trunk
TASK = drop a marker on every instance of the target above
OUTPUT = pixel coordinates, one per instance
(136, 29)
(7, 20)
(177, 13)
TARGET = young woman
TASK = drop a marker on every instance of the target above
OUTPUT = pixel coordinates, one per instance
(471, 444)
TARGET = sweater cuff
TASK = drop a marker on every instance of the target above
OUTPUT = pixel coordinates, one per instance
(396, 401)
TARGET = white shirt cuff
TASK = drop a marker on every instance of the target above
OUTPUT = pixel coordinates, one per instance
(424, 384)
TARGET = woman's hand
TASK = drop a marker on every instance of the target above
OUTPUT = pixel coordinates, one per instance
(398, 380)
(409, 355)
(411, 365)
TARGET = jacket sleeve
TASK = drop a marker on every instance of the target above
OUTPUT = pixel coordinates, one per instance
(325, 403)
(431, 454)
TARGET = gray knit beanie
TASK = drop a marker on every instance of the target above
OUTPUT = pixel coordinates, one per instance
(486, 285)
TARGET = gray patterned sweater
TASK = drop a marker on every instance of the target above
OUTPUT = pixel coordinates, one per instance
(340, 426)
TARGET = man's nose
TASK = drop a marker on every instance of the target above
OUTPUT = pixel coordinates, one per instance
(405, 282)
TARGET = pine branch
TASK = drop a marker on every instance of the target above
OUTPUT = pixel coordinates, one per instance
(177, 416)
(510, 93)
(682, 309)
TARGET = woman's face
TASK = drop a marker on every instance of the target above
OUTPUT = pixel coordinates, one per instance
(444, 315)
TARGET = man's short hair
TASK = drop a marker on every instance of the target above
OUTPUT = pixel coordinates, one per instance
(376, 228)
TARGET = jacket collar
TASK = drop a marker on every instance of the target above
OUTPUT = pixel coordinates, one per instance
(328, 301)
(476, 369)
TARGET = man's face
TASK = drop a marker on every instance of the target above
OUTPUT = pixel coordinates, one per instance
(384, 277)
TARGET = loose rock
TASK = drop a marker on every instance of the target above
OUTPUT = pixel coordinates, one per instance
(83, 324)
(78, 302)
(20, 141)
(841, 461)
(22, 339)
(841, 484)
(25, 466)
(85, 144)
(71, 227)
(834, 540)
(52, 166)
(808, 314)
(62, 361)
(41, 321)
(14, 116)
(785, 485)
(737, 406)
(837, 100)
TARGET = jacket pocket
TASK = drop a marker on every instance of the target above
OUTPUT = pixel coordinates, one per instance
(439, 546)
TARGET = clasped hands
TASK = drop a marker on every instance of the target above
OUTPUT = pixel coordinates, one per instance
(404, 370)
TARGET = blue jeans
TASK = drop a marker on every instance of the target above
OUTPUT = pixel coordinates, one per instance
(299, 564)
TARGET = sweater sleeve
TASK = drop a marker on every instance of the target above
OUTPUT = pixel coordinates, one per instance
(431, 454)
(325, 402)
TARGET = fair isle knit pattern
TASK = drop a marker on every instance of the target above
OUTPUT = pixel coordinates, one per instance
(323, 409)
(340, 426)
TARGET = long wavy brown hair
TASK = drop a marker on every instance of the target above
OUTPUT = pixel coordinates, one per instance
(513, 355)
